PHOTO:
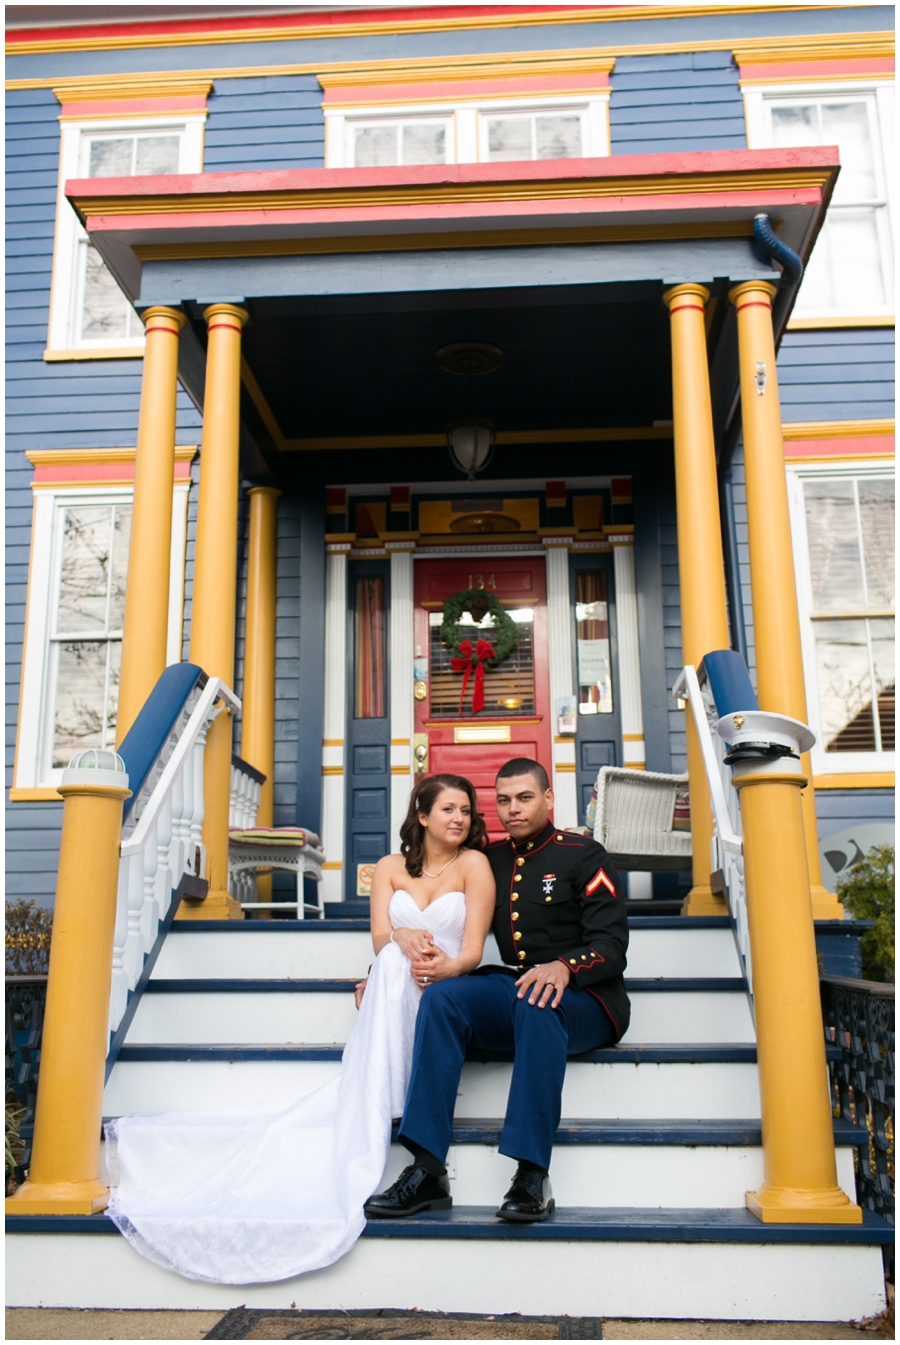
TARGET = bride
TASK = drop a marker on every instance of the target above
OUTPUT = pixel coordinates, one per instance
(268, 1190)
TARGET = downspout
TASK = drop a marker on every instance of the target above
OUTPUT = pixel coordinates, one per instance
(769, 246)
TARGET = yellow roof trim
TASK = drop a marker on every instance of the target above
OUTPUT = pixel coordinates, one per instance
(51, 457)
(281, 32)
(96, 89)
(835, 429)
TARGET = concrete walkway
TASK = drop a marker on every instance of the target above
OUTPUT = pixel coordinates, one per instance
(91, 1324)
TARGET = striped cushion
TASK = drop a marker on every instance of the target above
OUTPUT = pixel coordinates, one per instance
(268, 836)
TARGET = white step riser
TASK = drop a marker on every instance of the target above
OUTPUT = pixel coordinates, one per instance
(344, 953)
(586, 1279)
(626, 1091)
(593, 1176)
(239, 1018)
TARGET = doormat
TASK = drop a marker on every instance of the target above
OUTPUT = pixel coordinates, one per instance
(367, 1324)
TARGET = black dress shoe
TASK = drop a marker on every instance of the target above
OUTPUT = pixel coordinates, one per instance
(530, 1198)
(414, 1190)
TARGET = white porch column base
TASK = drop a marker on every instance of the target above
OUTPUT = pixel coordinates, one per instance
(559, 624)
(333, 803)
(400, 638)
(631, 713)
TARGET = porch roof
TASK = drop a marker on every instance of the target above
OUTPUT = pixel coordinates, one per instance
(354, 277)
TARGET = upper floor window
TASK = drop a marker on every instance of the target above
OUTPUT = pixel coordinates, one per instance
(844, 518)
(505, 131)
(88, 311)
(850, 270)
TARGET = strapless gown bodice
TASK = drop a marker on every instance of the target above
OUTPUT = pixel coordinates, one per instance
(269, 1189)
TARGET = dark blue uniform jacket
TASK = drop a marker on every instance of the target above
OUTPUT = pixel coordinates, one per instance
(559, 899)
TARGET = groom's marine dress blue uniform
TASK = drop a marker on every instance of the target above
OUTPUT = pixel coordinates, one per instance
(558, 899)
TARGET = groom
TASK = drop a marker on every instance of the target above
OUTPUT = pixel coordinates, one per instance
(562, 932)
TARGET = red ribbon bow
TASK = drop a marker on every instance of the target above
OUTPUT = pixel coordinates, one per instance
(465, 663)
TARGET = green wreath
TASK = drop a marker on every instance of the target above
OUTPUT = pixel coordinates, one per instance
(503, 635)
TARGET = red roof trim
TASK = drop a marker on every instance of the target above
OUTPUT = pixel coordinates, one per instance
(255, 24)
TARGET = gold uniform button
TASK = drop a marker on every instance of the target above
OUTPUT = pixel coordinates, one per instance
(515, 915)
(515, 896)
(531, 845)
(559, 838)
(521, 954)
(518, 878)
(517, 935)
(572, 960)
(520, 861)
(548, 898)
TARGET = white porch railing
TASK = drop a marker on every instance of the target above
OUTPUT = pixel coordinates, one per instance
(161, 846)
(727, 844)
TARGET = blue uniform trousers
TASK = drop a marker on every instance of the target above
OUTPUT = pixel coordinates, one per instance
(485, 1012)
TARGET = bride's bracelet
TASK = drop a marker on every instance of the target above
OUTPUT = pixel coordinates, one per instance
(391, 939)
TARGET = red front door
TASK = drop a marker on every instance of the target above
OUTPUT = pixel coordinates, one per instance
(515, 720)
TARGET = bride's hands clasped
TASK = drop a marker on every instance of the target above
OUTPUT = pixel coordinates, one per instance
(434, 966)
(412, 942)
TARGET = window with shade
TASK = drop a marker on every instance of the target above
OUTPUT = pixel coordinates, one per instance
(86, 637)
(592, 644)
(370, 701)
(847, 521)
(850, 270)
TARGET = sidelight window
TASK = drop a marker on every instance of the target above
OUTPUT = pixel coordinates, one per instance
(371, 648)
(592, 637)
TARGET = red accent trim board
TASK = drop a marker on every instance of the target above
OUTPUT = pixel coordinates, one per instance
(112, 473)
(267, 22)
(861, 446)
(824, 70)
(119, 107)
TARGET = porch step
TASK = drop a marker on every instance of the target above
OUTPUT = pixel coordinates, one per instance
(670, 1263)
(216, 1010)
(660, 946)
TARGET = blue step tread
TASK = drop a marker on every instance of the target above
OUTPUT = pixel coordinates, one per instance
(703, 1053)
(310, 926)
(566, 1225)
(291, 985)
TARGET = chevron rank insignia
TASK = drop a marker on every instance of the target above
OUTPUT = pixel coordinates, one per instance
(600, 880)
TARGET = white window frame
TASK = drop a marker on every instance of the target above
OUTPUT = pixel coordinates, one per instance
(467, 139)
(825, 763)
(67, 283)
(880, 93)
(32, 769)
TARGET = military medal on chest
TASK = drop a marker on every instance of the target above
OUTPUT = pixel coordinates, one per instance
(548, 882)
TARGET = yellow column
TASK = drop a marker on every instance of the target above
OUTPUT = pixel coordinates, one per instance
(63, 1178)
(704, 622)
(776, 619)
(147, 591)
(258, 712)
(799, 1171)
(215, 587)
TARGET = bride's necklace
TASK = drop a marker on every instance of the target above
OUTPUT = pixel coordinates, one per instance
(440, 871)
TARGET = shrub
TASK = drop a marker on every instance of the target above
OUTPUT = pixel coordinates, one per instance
(868, 893)
(27, 937)
(14, 1146)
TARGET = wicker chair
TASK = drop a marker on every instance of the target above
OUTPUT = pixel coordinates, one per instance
(643, 819)
(284, 849)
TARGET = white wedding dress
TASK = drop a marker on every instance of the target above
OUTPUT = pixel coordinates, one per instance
(267, 1190)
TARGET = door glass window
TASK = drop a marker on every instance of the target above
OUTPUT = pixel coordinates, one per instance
(371, 648)
(508, 687)
(850, 535)
(592, 630)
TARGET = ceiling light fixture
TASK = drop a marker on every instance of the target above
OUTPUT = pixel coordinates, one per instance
(471, 438)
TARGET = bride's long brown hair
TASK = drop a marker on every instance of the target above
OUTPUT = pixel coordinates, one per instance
(422, 800)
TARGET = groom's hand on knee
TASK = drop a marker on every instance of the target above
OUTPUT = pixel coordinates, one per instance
(547, 983)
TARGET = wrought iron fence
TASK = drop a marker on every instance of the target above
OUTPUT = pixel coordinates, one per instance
(859, 1018)
(26, 997)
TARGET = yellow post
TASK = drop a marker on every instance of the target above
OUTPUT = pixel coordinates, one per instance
(258, 712)
(63, 1178)
(799, 1171)
(215, 587)
(704, 621)
(776, 618)
(147, 591)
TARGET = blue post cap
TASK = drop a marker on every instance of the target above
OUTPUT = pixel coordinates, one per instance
(729, 681)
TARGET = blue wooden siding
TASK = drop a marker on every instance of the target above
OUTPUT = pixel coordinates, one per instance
(675, 104)
(837, 375)
(265, 123)
(671, 597)
(88, 404)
